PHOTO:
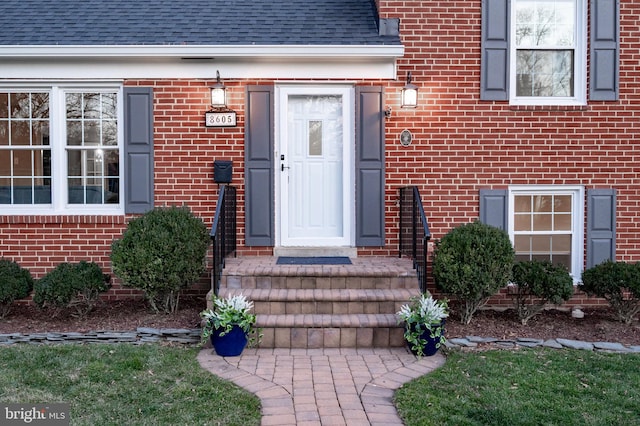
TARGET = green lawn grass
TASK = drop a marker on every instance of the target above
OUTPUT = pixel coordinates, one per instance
(124, 384)
(526, 387)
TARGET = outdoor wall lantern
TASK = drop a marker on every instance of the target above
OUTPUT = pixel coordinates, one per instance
(218, 93)
(219, 115)
(409, 94)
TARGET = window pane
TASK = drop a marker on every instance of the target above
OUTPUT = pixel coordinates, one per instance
(562, 222)
(541, 243)
(4, 105)
(74, 163)
(40, 105)
(4, 132)
(544, 73)
(522, 222)
(562, 203)
(91, 105)
(109, 106)
(522, 244)
(92, 132)
(561, 244)
(5, 163)
(40, 133)
(542, 222)
(548, 23)
(20, 133)
(315, 137)
(22, 165)
(522, 203)
(542, 203)
(74, 105)
(22, 191)
(20, 105)
(109, 133)
(74, 133)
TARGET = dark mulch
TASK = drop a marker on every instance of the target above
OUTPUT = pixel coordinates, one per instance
(596, 326)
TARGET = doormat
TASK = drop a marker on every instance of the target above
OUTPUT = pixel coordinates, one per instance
(321, 260)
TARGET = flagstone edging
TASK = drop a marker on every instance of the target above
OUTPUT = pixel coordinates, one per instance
(558, 343)
(139, 336)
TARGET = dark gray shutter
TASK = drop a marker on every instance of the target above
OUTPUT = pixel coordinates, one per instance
(494, 63)
(494, 207)
(369, 166)
(605, 53)
(601, 226)
(138, 149)
(258, 152)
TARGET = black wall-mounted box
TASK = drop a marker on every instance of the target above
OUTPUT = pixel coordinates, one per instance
(222, 171)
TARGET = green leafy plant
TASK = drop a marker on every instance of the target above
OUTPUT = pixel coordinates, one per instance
(472, 262)
(234, 310)
(618, 283)
(161, 253)
(538, 283)
(72, 285)
(15, 283)
(423, 314)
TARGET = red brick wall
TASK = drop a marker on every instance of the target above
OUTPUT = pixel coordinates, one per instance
(461, 144)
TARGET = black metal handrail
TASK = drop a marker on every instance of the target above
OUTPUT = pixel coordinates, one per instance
(414, 232)
(223, 233)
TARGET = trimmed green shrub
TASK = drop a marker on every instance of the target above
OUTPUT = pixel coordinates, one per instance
(72, 285)
(471, 263)
(161, 253)
(537, 283)
(618, 283)
(15, 283)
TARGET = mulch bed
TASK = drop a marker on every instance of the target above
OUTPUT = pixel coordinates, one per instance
(598, 325)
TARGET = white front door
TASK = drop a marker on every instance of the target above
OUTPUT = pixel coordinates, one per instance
(314, 166)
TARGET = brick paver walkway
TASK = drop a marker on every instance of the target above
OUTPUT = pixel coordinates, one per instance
(323, 386)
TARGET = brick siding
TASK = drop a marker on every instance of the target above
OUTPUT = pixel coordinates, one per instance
(461, 144)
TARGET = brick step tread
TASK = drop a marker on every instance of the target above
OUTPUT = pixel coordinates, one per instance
(322, 295)
(328, 321)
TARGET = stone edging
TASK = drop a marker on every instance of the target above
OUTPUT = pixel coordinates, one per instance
(474, 341)
(139, 336)
(192, 336)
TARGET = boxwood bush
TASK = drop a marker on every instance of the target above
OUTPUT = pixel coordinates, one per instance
(471, 263)
(538, 282)
(72, 285)
(15, 283)
(161, 253)
(618, 283)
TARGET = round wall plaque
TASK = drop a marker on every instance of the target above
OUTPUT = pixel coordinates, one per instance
(405, 138)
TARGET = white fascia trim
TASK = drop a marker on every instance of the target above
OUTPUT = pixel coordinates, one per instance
(169, 51)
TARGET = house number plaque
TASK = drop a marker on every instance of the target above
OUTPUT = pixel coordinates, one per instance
(220, 119)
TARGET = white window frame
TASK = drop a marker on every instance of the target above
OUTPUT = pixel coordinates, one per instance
(580, 64)
(57, 138)
(577, 194)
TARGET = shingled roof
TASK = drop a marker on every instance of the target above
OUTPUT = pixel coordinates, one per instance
(189, 23)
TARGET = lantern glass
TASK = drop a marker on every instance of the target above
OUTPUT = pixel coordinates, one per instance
(218, 96)
(410, 96)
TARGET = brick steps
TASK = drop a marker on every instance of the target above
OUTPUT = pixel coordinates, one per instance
(324, 306)
(323, 301)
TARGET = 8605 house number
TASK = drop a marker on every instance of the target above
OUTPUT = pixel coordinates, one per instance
(220, 119)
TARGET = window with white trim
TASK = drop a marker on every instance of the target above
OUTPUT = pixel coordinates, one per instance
(546, 223)
(548, 55)
(60, 150)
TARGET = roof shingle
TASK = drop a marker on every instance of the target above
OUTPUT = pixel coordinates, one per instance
(189, 22)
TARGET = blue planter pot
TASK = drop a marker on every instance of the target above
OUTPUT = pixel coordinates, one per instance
(430, 348)
(231, 344)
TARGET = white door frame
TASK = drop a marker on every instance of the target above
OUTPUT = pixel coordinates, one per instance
(348, 154)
